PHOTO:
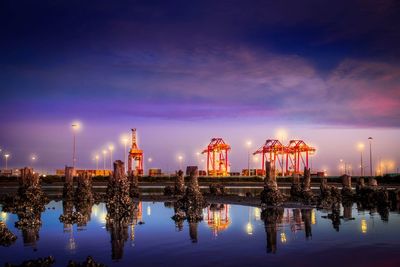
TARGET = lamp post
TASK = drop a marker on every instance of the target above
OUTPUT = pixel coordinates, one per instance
(111, 148)
(248, 143)
(97, 162)
(6, 156)
(180, 158)
(149, 160)
(361, 148)
(74, 128)
(33, 159)
(370, 156)
(104, 161)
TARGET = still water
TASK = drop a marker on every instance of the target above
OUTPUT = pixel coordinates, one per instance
(229, 235)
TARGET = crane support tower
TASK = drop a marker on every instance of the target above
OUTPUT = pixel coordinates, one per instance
(298, 153)
(135, 157)
(272, 151)
(217, 157)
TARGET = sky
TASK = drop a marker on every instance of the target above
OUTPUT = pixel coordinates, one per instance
(182, 72)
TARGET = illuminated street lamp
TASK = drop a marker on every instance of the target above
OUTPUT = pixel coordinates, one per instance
(111, 148)
(75, 128)
(370, 156)
(150, 160)
(248, 143)
(6, 156)
(361, 147)
(33, 159)
(104, 159)
(97, 162)
(180, 159)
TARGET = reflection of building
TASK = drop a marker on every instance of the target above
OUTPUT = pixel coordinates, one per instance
(217, 217)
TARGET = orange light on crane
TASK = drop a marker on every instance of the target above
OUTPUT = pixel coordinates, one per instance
(217, 157)
(135, 157)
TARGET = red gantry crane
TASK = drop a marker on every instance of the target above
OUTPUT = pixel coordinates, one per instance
(272, 151)
(217, 157)
(135, 157)
(297, 154)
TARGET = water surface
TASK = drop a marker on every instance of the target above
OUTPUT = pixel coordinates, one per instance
(229, 235)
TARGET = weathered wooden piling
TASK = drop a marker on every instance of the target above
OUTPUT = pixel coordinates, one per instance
(179, 188)
(307, 194)
(120, 209)
(28, 178)
(347, 192)
(295, 189)
(271, 194)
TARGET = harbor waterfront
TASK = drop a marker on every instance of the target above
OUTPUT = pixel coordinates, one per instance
(200, 133)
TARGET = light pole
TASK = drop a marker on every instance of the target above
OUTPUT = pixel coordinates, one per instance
(149, 160)
(361, 148)
(111, 148)
(33, 158)
(248, 143)
(6, 156)
(97, 162)
(104, 161)
(180, 158)
(370, 156)
(74, 127)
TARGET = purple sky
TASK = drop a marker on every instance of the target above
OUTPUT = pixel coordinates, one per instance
(184, 72)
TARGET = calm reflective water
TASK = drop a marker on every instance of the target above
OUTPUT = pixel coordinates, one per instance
(228, 236)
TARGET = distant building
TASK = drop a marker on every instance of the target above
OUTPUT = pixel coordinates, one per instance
(155, 172)
(9, 172)
(61, 172)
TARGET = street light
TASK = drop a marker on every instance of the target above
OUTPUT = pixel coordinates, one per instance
(97, 162)
(361, 147)
(149, 160)
(6, 156)
(180, 158)
(248, 143)
(104, 160)
(75, 128)
(370, 156)
(111, 148)
(33, 159)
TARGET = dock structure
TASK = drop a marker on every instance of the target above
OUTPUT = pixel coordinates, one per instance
(135, 157)
(217, 157)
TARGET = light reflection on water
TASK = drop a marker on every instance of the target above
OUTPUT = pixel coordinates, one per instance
(229, 235)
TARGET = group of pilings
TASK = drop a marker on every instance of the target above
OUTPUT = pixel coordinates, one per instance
(369, 194)
(27, 204)
(122, 209)
(77, 203)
